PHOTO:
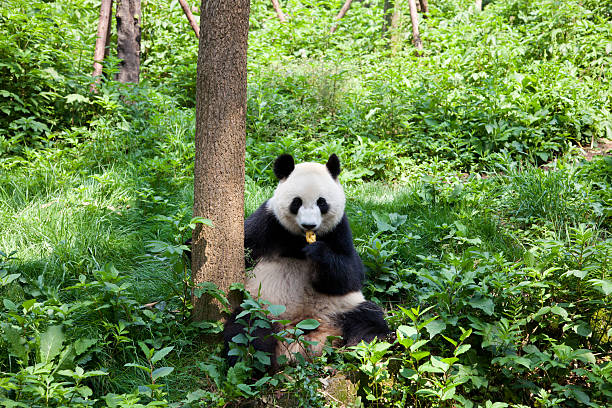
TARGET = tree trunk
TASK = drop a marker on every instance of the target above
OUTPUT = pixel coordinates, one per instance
(218, 252)
(396, 20)
(106, 9)
(128, 40)
(279, 11)
(343, 10)
(424, 7)
(388, 5)
(414, 18)
(478, 5)
(190, 18)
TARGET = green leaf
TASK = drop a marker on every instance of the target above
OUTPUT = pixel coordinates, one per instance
(246, 389)
(483, 303)
(144, 368)
(277, 310)
(16, 343)
(462, 349)
(308, 324)
(9, 304)
(407, 332)
(604, 285)
(161, 372)
(51, 343)
(27, 305)
(558, 310)
(161, 354)
(435, 327)
(76, 98)
(448, 394)
(82, 345)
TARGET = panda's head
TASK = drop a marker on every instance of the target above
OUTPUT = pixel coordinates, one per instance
(309, 195)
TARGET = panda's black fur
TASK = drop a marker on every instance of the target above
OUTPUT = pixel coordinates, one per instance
(329, 272)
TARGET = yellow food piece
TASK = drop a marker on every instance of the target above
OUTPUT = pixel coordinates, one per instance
(311, 237)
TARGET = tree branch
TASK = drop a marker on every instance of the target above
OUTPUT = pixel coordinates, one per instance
(279, 11)
(190, 17)
(106, 9)
(343, 10)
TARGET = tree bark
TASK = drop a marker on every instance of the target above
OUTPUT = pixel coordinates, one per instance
(478, 5)
(414, 18)
(279, 11)
(388, 5)
(345, 7)
(128, 40)
(190, 17)
(218, 252)
(396, 19)
(424, 7)
(106, 10)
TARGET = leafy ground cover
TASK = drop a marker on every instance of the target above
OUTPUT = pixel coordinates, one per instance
(485, 234)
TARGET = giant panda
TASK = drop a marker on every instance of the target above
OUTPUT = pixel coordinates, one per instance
(321, 280)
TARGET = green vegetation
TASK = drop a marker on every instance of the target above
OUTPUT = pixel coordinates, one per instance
(485, 234)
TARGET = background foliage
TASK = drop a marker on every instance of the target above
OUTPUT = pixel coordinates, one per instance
(485, 234)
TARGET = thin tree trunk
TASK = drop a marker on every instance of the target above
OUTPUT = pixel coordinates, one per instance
(387, 16)
(396, 19)
(345, 7)
(414, 18)
(218, 252)
(190, 17)
(108, 33)
(279, 11)
(478, 5)
(128, 40)
(424, 7)
(106, 9)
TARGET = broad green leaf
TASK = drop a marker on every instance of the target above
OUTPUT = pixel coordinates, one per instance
(277, 310)
(604, 285)
(161, 372)
(407, 332)
(16, 343)
(51, 343)
(308, 324)
(448, 394)
(76, 98)
(246, 389)
(435, 327)
(161, 354)
(558, 310)
(462, 349)
(82, 345)
(483, 303)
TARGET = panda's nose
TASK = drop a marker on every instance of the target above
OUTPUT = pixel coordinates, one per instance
(308, 227)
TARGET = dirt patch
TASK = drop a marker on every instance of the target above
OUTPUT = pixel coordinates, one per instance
(603, 148)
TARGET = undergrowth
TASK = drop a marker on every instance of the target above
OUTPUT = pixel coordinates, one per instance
(485, 235)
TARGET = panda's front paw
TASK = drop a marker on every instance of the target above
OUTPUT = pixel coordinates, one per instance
(317, 251)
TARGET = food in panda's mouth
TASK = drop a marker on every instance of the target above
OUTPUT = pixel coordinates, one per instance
(311, 237)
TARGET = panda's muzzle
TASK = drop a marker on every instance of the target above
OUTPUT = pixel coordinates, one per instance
(308, 227)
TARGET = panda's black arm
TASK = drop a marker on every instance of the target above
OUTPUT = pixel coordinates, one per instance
(256, 229)
(339, 268)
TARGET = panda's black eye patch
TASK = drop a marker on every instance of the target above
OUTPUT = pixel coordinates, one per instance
(295, 205)
(323, 206)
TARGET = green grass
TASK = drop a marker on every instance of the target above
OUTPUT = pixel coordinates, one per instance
(450, 205)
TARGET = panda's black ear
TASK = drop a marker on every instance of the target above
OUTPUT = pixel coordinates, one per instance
(333, 165)
(283, 166)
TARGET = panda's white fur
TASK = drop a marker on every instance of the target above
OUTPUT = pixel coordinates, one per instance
(287, 282)
(309, 181)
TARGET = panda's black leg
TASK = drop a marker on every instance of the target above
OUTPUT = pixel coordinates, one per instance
(264, 341)
(365, 322)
